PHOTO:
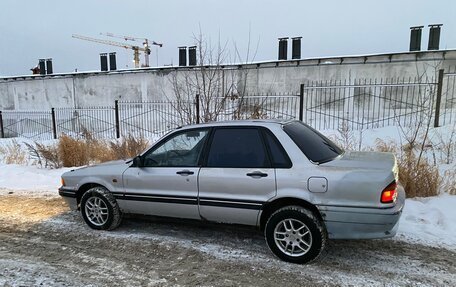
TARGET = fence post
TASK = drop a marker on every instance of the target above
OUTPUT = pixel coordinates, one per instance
(2, 132)
(116, 110)
(197, 103)
(438, 99)
(54, 125)
(301, 103)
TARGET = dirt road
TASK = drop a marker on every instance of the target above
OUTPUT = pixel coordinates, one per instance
(42, 243)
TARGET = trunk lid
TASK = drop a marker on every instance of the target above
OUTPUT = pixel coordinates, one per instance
(365, 160)
(358, 178)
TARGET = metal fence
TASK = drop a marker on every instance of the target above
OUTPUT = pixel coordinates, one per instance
(373, 103)
(149, 118)
(28, 124)
(447, 104)
(366, 103)
(146, 119)
(270, 106)
(359, 104)
(98, 121)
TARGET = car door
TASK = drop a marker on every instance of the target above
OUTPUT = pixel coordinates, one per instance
(237, 177)
(166, 183)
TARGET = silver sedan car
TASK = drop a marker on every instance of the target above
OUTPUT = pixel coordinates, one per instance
(284, 177)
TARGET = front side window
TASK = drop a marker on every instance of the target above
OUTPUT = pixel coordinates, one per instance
(237, 148)
(181, 150)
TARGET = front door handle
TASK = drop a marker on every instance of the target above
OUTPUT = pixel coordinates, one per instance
(257, 174)
(185, 172)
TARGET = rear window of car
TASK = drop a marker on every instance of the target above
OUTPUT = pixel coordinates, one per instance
(316, 147)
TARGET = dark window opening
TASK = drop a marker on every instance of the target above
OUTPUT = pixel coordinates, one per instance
(279, 157)
(237, 148)
(316, 147)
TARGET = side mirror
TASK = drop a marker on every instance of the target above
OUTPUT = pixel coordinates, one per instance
(138, 161)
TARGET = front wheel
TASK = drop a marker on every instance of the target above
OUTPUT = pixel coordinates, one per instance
(295, 234)
(99, 209)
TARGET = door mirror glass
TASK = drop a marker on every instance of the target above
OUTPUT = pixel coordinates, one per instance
(137, 162)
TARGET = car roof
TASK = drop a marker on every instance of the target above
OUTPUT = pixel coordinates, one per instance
(259, 122)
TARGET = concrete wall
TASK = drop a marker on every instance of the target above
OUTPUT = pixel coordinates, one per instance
(81, 90)
(287, 76)
(102, 88)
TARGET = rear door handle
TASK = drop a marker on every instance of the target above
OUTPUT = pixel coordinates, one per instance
(257, 174)
(185, 172)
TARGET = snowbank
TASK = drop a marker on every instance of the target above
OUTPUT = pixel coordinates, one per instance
(429, 221)
(29, 180)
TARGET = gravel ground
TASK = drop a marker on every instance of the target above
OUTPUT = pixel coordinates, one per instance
(42, 243)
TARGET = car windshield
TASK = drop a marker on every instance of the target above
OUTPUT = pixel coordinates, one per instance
(316, 147)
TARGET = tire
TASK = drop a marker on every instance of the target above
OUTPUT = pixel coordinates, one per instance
(99, 209)
(294, 234)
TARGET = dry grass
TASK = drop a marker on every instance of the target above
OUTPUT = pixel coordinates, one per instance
(383, 146)
(128, 147)
(420, 178)
(47, 156)
(449, 182)
(73, 152)
(349, 139)
(70, 152)
(13, 153)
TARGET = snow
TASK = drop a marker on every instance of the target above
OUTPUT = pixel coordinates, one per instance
(430, 221)
(29, 180)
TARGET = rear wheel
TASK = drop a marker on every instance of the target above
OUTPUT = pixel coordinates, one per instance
(99, 209)
(295, 234)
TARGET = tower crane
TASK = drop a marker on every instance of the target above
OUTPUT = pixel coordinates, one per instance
(144, 41)
(135, 48)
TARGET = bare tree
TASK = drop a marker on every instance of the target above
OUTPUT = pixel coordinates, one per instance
(219, 89)
(417, 134)
(209, 81)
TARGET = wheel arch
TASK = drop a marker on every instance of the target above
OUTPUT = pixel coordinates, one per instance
(270, 207)
(83, 188)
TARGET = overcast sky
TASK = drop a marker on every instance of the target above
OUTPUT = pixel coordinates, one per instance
(30, 30)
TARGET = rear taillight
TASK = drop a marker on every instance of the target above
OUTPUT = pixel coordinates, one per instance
(389, 194)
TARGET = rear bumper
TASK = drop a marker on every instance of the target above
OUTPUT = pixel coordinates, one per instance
(363, 223)
(70, 197)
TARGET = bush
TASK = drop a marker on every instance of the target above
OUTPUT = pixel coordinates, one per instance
(73, 152)
(419, 177)
(44, 155)
(13, 153)
(128, 147)
(69, 152)
(449, 182)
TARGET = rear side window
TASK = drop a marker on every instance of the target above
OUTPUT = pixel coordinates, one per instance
(279, 157)
(313, 144)
(237, 148)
